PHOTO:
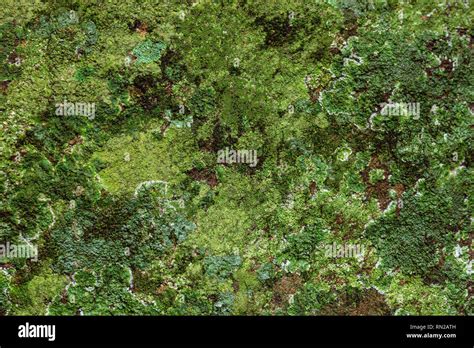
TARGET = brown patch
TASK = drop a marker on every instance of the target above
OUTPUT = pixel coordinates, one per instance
(431, 45)
(334, 50)
(362, 90)
(286, 286)
(16, 157)
(164, 127)
(235, 286)
(314, 94)
(12, 58)
(64, 296)
(367, 268)
(148, 91)
(351, 31)
(132, 57)
(345, 228)
(169, 88)
(441, 261)
(379, 190)
(215, 142)
(334, 279)
(75, 141)
(162, 288)
(140, 27)
(372, 303)
(78, 140)
(461, 31)
(338, 222)
(368, 302)
(312, 188)
(447, 65)
(205, 175)
(468, 242)
(6, 266)
(399, 188)
(4, 86)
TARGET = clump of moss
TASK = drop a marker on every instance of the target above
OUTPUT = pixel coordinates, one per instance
(414, 237)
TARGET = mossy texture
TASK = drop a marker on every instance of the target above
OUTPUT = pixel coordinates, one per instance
(131, 211)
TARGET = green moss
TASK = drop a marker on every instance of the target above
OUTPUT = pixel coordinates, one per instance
(414, 239)
(35, 296)
(376, 175)
(412, 297)
(131, 160)
(133, 205)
